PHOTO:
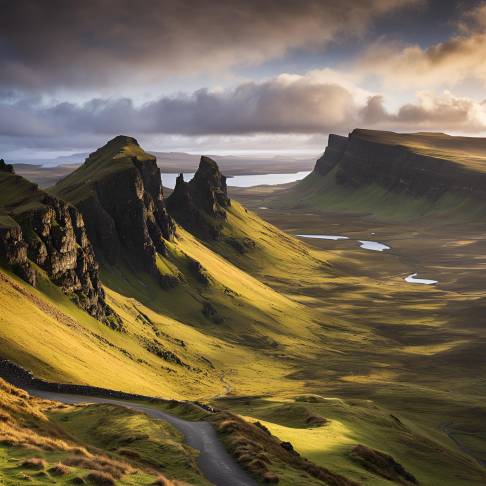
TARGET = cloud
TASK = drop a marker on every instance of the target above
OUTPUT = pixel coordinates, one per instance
(474, 19)
(314, 103)
(311, 104)
(91, 43)
(430, 112)
(448, 63)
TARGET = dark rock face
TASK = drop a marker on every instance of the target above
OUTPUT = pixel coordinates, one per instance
(58, 243)
(333, 154)
(13, 253)
(6, 167)
(52, 235)
(209, 188)
(126, 215)
(358, 161)
(200, 205)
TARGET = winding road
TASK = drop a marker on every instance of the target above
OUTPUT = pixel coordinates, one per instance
(214, 461)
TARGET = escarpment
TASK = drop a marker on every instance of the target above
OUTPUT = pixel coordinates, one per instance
(119, 192)
(420, 165)
(200, 204)
(37, 228)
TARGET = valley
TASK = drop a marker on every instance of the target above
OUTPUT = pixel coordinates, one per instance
(209, 295)
(416, 350)
(243, 243)
(413, 350)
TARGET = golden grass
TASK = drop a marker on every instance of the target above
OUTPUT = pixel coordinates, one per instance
(29, 436)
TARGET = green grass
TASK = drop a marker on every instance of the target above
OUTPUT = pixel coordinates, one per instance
(361, 421)
(114, 157)
(132, 435)
(334, 322)
(468, 152)
(41, 443)
(323, 193)
(17, 196)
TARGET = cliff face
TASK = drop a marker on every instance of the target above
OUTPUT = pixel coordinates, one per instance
(38, 228)
(119, 192)
(13, 252)
(200, 205)
(393, 162)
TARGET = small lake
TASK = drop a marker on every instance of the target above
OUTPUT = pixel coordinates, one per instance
(169, 180)
(412, 279)
(365, 244)
(373, 245)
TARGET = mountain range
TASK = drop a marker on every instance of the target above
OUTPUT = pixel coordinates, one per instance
(195, 306)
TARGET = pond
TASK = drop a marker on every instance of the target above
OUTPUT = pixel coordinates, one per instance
(365, 244)
(373, 245)
(425, 281)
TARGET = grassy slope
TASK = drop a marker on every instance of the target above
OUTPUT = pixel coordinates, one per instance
(420, 448)
(113, 157)
(386, 348)
(44, 442)
(325, 194)
(259, 323)
(470, 152)
(314, 334)
(17, 195)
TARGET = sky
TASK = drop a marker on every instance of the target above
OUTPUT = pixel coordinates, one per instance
(235, 77)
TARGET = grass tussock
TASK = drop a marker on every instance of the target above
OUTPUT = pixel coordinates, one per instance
(23, 423)
(60, 469)
(101, 478)
(78, 480)
(34, 463)
(381, 464)
(112, 467)
(163, 481)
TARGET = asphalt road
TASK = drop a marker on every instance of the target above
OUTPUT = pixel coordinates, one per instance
(214, 461)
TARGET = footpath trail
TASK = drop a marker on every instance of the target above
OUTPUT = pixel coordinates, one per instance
(214, 461)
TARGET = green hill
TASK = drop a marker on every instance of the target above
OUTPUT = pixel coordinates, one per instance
(399, 176)
(44, 442)
(186, 315)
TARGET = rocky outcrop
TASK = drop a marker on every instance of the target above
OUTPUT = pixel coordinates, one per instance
(13, 253)
(41, 229)
(119, 192)
(382, 464)
(366, 157)
(200, 205)
(333, 154)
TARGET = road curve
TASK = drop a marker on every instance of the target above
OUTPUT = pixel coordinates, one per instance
(214, 461)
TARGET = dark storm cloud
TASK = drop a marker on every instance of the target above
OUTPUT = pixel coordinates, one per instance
(287, 104)
(52, 43)
(283, 105)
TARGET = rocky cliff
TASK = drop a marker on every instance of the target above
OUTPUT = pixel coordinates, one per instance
(37, 228)
(119, 192)
(421, 165)
(200, 205)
